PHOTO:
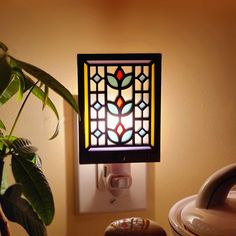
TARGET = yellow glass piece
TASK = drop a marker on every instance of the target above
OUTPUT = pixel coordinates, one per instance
(153, 106)
(86, 106)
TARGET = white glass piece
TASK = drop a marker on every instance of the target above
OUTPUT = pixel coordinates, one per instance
(138, 70)
(93, 98)
(111, 94)
(146, 139)
(93, 140)
(101, 85)
(101, 125)
(112, 121)
(92, 71)
(138, 85)
(93, 113)
(138, 139)
(92, 85)
(111, 69)
(127, 121)
(138, 113)
(138, 98)
(138, 125)
(127, 69)
(101, 113)
(101, 99)
(101, 70)
(127, 93)
(146, 98)
(146, 70)
(101, 140)
(93, 126)
(146, 85)
(146, 112)
(146, 124)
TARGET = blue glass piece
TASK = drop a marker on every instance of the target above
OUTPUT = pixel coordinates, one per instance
(112, 108)
(97, 78)
(126, 81)
(142, 132)
(97, 133)
(97, 106)
(113, 136)
(142, 77)
(127, 108)
(112, 81)
(142, 105)
(127, 136)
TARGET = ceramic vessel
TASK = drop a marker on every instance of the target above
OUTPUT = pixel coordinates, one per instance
(212, 212)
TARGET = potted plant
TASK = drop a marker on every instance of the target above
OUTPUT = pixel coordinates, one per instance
(29, 201)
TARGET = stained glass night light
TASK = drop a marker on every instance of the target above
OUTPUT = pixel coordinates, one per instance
(119, 97)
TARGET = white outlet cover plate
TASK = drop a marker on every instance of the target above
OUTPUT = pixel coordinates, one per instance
(93, 200)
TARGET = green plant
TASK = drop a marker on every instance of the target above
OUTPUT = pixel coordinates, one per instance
(29, 201)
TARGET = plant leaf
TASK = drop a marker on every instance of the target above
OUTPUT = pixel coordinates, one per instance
(49, 81)
(39, 93)
(23, 146)
(56, 132)
(127, 136)
(21, 85)
(126, 81)
(4, 184)
(5, 74)
(112, 81)
(3, 47)
(35, 187)
(46, 91)
(2, 126)
(112, 108)
(19, 210)
(10, 90)
(113, 136)
(127, 108)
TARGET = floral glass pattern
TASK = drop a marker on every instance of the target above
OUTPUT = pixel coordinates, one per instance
(119, 100)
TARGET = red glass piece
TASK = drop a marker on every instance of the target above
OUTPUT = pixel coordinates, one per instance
(120, 129)
(119, 74)
(120, 102)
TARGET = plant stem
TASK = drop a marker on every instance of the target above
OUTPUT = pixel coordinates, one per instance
(21, 108)
(1, 172)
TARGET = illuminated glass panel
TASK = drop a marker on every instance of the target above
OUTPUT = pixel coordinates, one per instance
(119, 97)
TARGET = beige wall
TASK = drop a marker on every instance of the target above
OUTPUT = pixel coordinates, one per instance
(197, 40)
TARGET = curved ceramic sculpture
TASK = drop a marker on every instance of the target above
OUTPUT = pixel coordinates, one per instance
(212, 211)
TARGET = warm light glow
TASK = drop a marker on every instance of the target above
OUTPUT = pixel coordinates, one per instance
(120, 100)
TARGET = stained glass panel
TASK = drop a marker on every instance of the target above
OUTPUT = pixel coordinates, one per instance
(122, 93)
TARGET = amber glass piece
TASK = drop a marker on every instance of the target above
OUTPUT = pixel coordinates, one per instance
(120, 102)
